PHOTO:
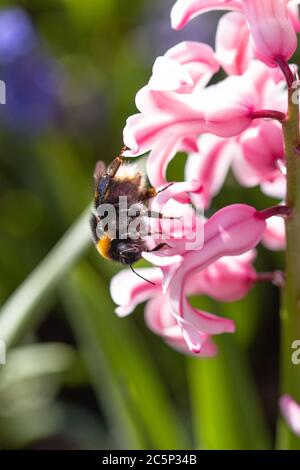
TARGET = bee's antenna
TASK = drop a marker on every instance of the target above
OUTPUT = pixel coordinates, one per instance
(147, 280)
(116, 163)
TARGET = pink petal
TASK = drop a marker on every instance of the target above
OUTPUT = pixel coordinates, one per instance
(228, 279)
(163, 151)
(232, 43)
(226, 107)
(231, 231)
(174, 201)
(293, 12)
(274, 235)
(142, 132)
(210, 164)
(262, 147)
(275, 188)
(271, 30)
(206, 322)
(177, 191)
(198, 59)
(128, 290)
(185, 10)
(162, 114)
(268, 84)
(159, 258)
(244, 172)
(169, 75)
(228, 230)
(161, 322)
(291, 412)
(167, 103)
(189, 144)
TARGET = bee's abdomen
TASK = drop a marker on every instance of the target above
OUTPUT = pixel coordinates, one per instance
(104, 246)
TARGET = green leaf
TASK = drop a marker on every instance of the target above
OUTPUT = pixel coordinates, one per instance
(226, 410)
(123, 373)
(24, 308)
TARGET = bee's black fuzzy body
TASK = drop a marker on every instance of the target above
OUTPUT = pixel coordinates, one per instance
(119, 179)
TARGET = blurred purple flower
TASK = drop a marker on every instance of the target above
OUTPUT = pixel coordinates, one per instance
(156, 36)
(17, 35)
(30, 76)
(31, 93)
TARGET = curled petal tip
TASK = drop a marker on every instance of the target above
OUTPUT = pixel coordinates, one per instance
(130, 153)
(195, 350)
(231, 327)
(121, 312)
(291, 412)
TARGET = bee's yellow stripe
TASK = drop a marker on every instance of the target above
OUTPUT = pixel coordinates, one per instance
(103, 246)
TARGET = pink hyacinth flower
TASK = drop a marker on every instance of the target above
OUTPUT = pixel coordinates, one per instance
(272, 32)
(256, 155)
(184, 67)
(175, 108)
(290, 410)
(161, 114)
(128, 290)
(231, 231)
(271, 23)
(167, 96)
(227, 280)
(218, 110)
(185, 10)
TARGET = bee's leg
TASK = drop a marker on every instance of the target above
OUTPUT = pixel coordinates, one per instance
(152, 192)
(148, 194)
(166, 187)
(159, 246)
(116, 163)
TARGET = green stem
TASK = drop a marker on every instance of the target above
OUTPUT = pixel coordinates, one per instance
(290, 313)
(23, 309)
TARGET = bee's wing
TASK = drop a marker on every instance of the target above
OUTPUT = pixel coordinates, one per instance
(99, 171)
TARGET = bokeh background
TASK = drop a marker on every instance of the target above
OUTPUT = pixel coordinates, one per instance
(77, 377)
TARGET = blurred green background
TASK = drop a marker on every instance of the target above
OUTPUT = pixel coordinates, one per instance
(77, 377)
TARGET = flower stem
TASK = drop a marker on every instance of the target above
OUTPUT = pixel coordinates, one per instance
(269, 114)
(290, 312)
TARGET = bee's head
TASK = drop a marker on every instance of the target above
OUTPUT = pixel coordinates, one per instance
(126, 251)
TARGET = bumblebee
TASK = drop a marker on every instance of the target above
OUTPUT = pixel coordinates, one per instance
(120, 179)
